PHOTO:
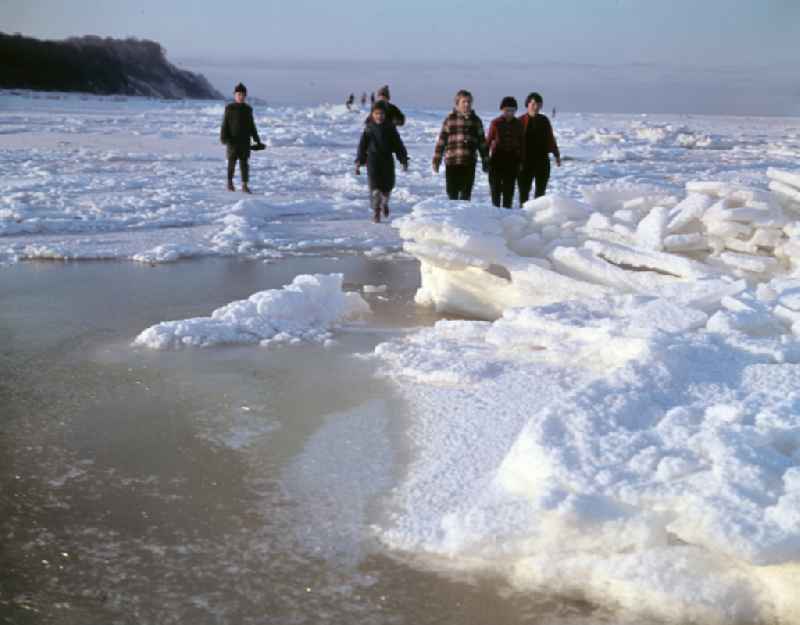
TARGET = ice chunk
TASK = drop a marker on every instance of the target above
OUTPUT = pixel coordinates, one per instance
(651, 230)
(647, 259)
(692, 208)
(748, 262)
(305, 309)
(791, 179)
(694, 241)
(556, 209)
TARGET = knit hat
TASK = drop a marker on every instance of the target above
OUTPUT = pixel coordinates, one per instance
(533, 96)
(383, 91)
(508, 102)
(240, 88)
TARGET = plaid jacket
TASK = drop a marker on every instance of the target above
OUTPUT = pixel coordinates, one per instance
(459, 139)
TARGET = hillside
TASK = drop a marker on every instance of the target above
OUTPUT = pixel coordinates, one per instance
(96, 65)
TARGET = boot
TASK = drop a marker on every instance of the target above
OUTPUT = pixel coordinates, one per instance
(377, 217)
(385, 210)
(230, 186)
(245, 188)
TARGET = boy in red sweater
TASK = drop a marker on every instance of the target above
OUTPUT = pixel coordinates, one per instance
(505, 151)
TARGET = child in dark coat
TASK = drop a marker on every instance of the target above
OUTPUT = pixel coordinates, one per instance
(380, 142)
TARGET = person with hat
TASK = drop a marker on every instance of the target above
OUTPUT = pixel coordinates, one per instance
(238, 126)
(379, 144)
(460, 139)
(504, 141)
(537, 144)
(393, 114)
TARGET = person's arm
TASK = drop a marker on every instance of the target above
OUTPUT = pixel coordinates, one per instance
(481, 138)
(361, 153)
(224, 132)
(553, 145)
(397, 116)
(491, 138)
(441, 143)
(400, 150)
(253, 130)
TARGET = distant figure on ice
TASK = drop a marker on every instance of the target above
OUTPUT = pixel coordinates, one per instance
(537, 144)
(393, 114)
(364, 99)
(554, 112)
(238, 126)
(460, 138)
(504, 141)
(349, 102)
(380, 141)
(372, 98)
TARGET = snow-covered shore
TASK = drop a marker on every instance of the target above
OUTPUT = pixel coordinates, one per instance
(620, 420)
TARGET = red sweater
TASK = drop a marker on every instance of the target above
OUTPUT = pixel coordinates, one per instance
(505, 139)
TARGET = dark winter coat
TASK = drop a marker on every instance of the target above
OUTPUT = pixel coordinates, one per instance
(238, 126)
(538, 139)
(504, 140)
(393, 114)
(379, 143)
(461, 136)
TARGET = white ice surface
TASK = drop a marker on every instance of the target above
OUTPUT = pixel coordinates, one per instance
(304, 310)
(607, 448)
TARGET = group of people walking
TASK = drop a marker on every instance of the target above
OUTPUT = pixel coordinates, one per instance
(515, 152)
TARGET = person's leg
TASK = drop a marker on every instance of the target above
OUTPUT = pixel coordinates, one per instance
(525, 179)
(495, 182)
(542, 176)
(375, 203)
(451, 181)
(244, 168)
(507, 183)
(231, 171)
(386, 203)
(468, 181)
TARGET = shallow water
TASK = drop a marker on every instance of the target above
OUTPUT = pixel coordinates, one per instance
(230, 485)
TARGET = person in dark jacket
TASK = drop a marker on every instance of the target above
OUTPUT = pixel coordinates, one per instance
(504, 141)
(379, 143)
(393, 114)
(238, 126)
(460, 139)
(537, 144)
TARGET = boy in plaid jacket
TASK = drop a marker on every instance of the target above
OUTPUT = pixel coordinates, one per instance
(461, 137)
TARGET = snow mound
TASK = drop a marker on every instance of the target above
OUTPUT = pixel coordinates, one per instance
(304, 310)
(607, 448)
(721, 237)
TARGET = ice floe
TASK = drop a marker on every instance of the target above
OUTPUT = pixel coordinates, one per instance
(305, 310)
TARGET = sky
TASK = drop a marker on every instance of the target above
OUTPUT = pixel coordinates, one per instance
(659, 54)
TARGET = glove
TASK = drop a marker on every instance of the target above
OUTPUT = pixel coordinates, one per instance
(485, 166)
(258, 146)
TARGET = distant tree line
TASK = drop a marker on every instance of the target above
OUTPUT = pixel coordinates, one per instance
(96, 65)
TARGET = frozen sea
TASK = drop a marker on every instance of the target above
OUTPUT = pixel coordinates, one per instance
(219, 408)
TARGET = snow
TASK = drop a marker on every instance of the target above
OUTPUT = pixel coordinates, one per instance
(605, 447)
(617, 419)
(304, 310)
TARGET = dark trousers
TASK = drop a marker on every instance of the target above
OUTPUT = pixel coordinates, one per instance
(537, 171)
(459, 180)
(502, 179)
(244, 167)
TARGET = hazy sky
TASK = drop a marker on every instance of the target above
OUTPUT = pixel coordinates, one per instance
(757, 37)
